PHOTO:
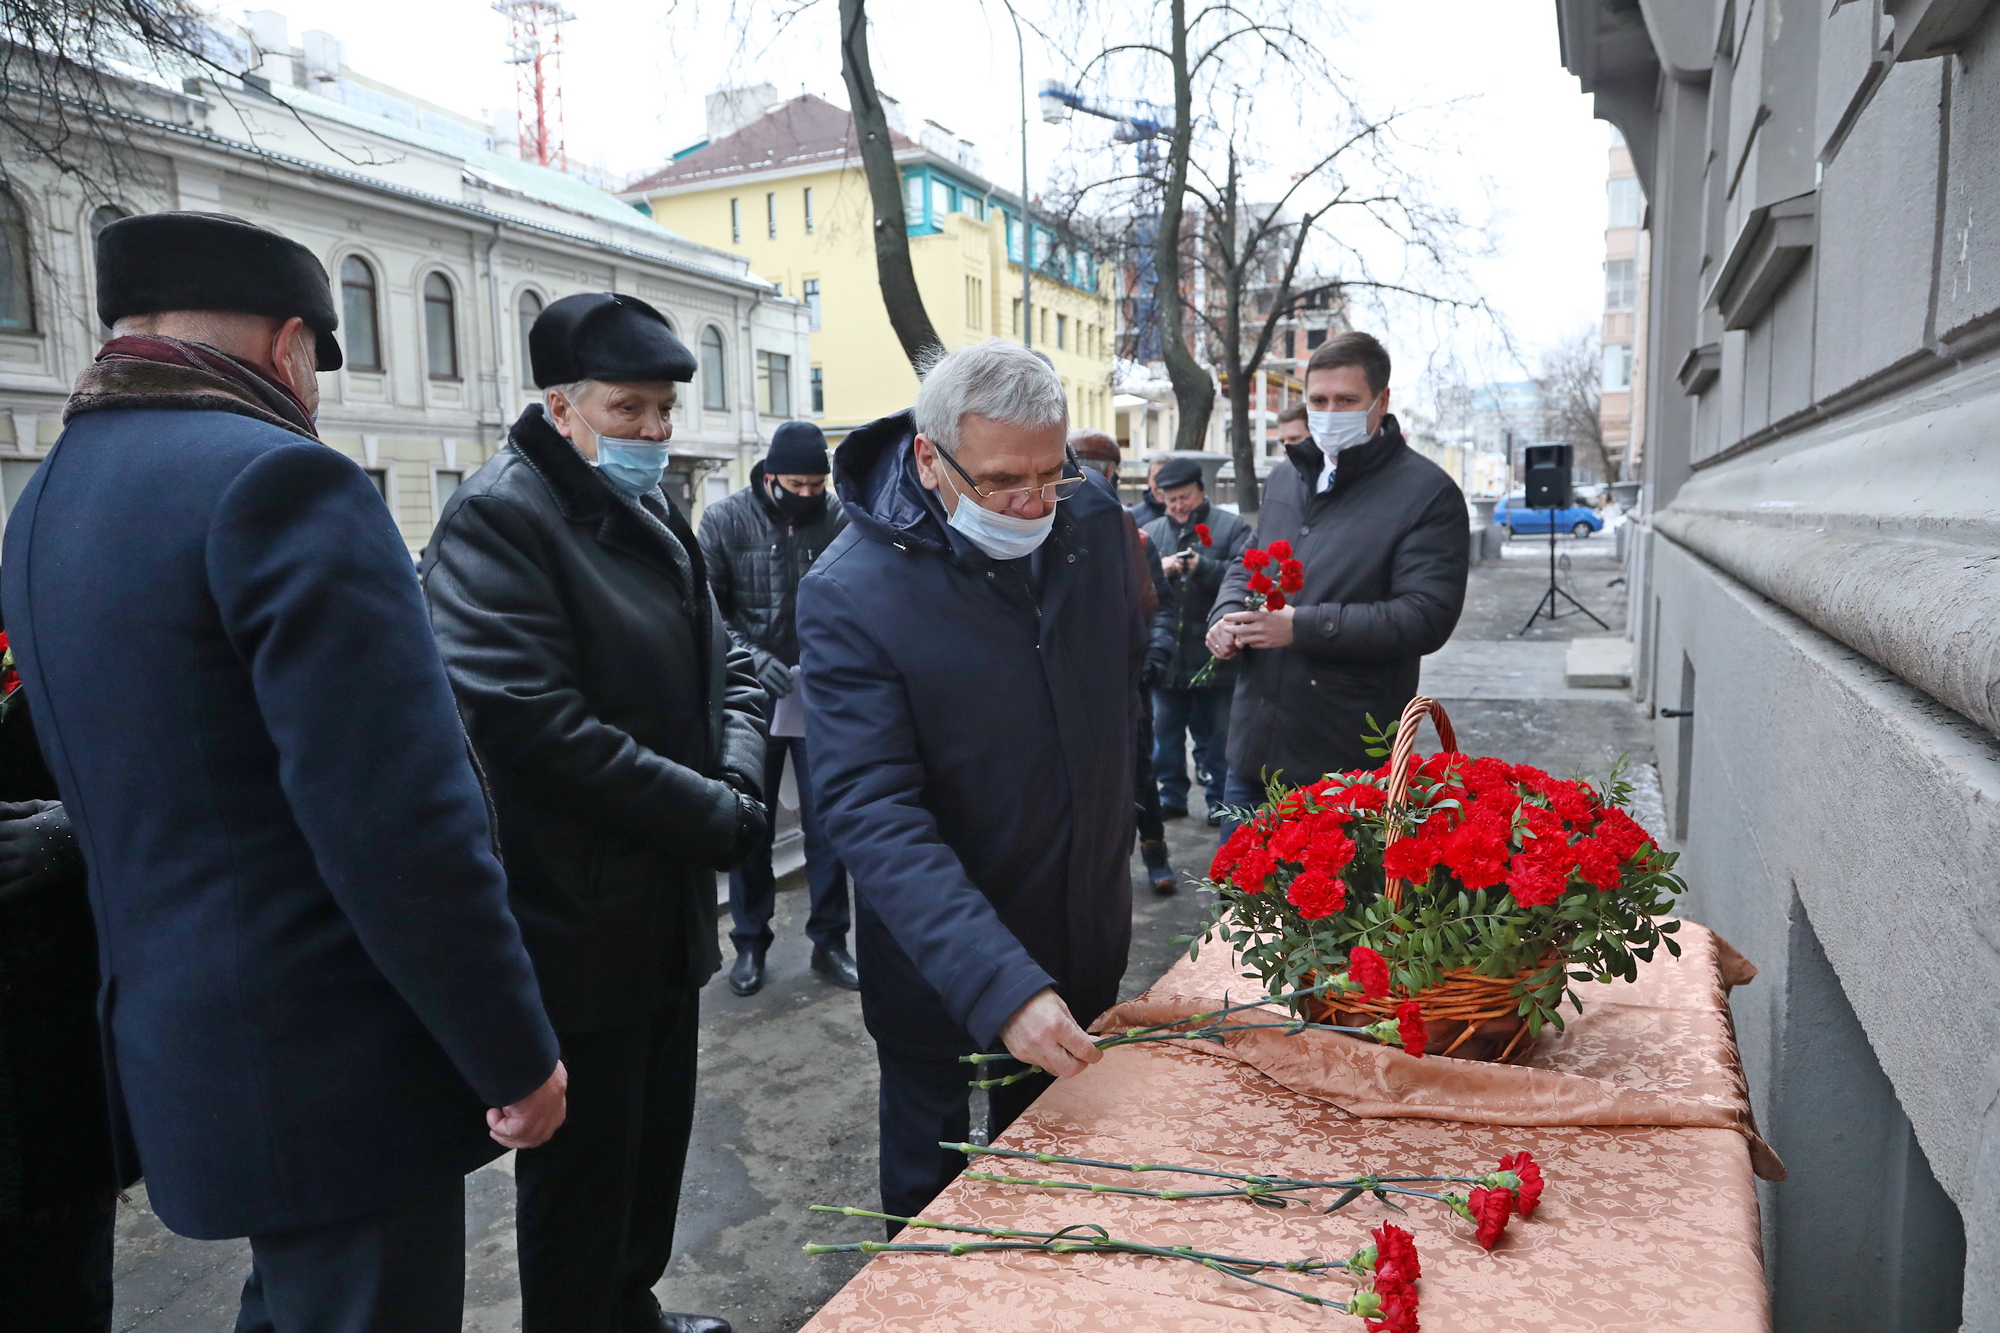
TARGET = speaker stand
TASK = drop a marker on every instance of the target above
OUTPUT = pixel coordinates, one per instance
(1549, 598)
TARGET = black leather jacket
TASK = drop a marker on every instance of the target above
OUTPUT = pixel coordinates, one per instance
(756, 557)
(608, 707)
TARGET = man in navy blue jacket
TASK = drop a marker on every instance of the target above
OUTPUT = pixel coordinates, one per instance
(971, 648)
(317, 1011)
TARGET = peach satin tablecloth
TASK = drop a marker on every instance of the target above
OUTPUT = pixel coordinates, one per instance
(1644, 1225)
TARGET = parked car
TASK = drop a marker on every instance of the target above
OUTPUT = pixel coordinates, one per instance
(1513, 514)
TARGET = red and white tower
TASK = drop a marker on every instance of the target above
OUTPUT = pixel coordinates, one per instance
(534, 48)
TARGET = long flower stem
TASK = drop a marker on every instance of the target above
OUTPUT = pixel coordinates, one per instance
(1263, 1184)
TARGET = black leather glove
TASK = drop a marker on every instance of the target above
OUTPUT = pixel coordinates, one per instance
(1155, 669)
(37, 848)
(752, 822)
(775, 677)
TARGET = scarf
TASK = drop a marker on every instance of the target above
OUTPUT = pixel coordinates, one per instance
(143, 370)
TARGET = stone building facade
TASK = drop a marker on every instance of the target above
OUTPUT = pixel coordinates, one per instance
(441, 251)
(1818, 599)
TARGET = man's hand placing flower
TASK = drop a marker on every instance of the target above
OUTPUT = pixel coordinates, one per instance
(1256, 629)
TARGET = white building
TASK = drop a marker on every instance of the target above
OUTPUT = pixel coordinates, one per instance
(441, 251)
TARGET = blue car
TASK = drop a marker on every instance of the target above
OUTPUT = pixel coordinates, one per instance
(1513, 515)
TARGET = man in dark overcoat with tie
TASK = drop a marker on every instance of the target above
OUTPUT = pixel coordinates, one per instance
(624, 735)
(317, 1012)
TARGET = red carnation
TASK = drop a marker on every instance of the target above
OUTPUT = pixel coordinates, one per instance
(1370, 969)
(1490, 1210)
(1274, 601)
(1316, 895)
(1396, 1245)
(1255, 559)
(1536, 882)
(1530, 1193)
(1620, 833)
(1280, 550)
(1262, 583)
(1201, 531)
(1396, 1304)
(1232, 850)
(1410, 1022)
(1329, 852)
(1254, 868)
(1291, 576)
(1598, 863)
(1573, 801)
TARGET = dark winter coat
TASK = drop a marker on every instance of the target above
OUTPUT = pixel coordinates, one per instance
(313, 989)
(756, 557)
(971, 737)
(1181, 627)
(55, 1125)
(1386, 555)
(607, 705)
(1146, 508)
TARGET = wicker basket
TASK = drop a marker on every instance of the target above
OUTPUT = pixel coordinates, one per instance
(1468, 1015)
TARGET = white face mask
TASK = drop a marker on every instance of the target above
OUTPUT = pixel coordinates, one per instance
(1001, 536)
(1334, 431)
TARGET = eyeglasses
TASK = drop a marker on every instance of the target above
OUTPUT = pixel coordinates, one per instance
(1048, 492)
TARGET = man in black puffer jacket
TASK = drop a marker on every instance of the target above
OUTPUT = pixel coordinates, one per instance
(758, 544)
(624, 737)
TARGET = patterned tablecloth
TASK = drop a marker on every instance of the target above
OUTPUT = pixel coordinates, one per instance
(1644, 1225)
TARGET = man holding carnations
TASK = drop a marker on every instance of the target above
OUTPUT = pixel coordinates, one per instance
(1379, 534)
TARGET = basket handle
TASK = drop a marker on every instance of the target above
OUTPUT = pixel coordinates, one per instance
(1402, 762)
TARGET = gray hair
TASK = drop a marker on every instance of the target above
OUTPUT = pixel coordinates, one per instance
(569, 393)
(1000, 381)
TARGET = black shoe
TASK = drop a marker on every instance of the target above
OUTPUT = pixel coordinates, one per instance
(1154, 853)
(1173, 812)
(837, 966)
(746, 978)
(687, 1323)
(1215, 817)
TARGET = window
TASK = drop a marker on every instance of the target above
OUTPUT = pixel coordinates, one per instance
(714, 372)
(527, 310)
(1044, 330)
(1617, 368)
(940, 200)
(1062, 331)
(818, 393)
(1013, 239)
(810, 287)
(1314, 337)
(380, 476)
(913, 202)
(1623, 192)
(100, 219)
(360, 328)
(774, 384)
(1017, 317)
(440, 327)
(975, 302)
(17, 292)
(445, 482)
(1621, 283)
(736, 222)
(714, 487)
(809, 210)
(771, 216)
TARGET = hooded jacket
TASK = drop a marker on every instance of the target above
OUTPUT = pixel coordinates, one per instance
(756, 557)
(970, 726)
(1386, 553)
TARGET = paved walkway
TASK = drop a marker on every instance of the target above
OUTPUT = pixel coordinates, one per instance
(787, 1112)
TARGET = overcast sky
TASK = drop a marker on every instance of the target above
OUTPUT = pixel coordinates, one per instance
(1518, 151)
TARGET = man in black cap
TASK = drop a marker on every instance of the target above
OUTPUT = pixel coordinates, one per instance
(759, 543)
(318, 1012)
(1198, 545)
(624, 736)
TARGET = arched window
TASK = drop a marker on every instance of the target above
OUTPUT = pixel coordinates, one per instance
(100, 218)
(529, 308)
(440, 327)
(17, 289)
(714, 371)
(360, 326)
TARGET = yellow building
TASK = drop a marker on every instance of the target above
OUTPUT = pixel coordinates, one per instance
(781, 184)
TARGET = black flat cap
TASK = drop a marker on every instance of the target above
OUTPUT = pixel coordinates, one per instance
(154, 262)
(605, 336)
(1178, 472)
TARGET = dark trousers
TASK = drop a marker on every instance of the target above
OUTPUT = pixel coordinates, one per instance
(56, 1273)
(595, 1205)
(924, 1103)
(1146, 791)
(1204, 715)
(753, 889)
(399, 1270)
(1240, 793)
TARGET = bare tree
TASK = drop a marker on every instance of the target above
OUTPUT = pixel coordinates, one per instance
(1572, 385)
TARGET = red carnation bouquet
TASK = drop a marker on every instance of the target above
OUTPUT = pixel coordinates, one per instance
(1470, 876)
(11, 697)
(1264, 592)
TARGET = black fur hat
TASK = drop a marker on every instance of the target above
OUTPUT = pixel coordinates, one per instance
(605, 336)
(153, 262)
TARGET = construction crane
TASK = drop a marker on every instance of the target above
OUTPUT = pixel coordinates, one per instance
(1143, 124)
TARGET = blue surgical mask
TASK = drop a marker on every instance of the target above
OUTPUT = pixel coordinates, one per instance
(633, 466)
(1001, 536)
